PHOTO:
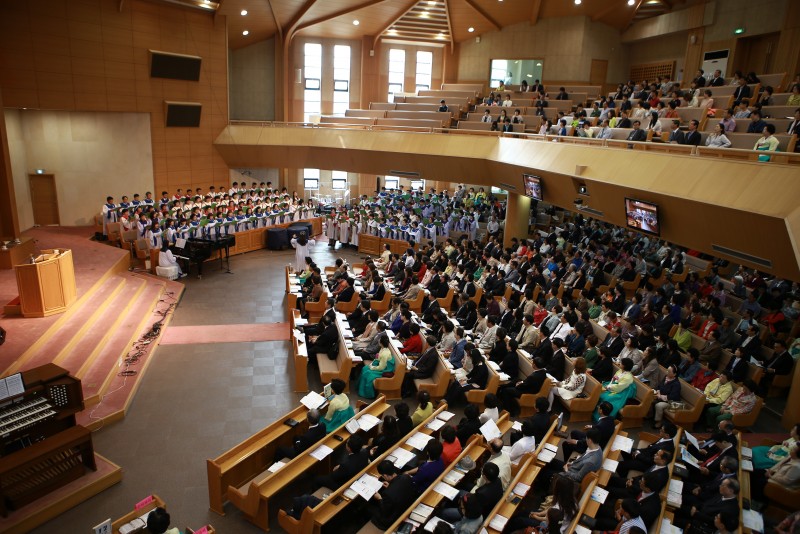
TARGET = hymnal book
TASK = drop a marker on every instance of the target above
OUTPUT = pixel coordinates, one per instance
(402, 457)
(521, 489)
(747, 452)
(580, 529)
(312, 400)
(436, 424)
(546, 456)
(367, 422)
(747, 465)
(453, 477)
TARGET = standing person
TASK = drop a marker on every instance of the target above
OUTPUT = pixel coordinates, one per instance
(300, 245)
(109, 214)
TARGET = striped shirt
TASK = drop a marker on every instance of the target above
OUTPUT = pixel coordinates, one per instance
(630, 523)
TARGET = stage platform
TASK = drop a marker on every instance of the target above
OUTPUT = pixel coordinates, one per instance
(94, 337)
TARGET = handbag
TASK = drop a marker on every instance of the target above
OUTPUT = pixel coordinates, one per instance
(388, 374)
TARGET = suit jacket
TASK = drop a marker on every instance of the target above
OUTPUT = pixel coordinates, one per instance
(352, 464)
(310, 437)
(692, 138)
(541, 424)
(650, 508)
(646, 454)
(705, 514)
(379, 293)
(584, 464)
(489, 495)
(507, 319)
(557, 365)
(737, 369)
(743, 91)
(614, 344)
(394, 500)
(533, 382)
(603, 370)
(677, 136)
(432, 309)
(426, 364)
(637, 135)
(717, 82)
(346, 295)
(606, 427)
(510, 364)
(782, 363)
(624, 123)
(525, 337)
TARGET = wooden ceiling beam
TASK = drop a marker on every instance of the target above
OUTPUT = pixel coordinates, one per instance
(405, 11)
(275, 18)
(339, 13)
(483, 14)
(535, 11)
(610, 8)
(449, 26)
(290, 28)
(631, 15)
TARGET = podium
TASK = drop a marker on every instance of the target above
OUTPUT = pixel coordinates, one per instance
(47, 286)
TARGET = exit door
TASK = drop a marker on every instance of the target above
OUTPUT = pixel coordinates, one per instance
(44, 199)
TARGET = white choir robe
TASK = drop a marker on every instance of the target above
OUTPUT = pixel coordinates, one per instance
(344, 232)
(355, 228)
(300, 254)
(330, 229)
(167, 259)
(141, 229)
(126, 224)
(414, 234)
(172, 234)
(154, 240)
(109, 216)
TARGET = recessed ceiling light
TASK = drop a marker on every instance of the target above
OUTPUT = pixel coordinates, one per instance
(244, 12)
(631, 2)
(577, 2)
(246, 32)
(653, 1)
(424, 15)
(470, 29)
(356, 22)
(392, 32)
(431, 2)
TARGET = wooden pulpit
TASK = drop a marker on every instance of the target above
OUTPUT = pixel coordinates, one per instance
(47, 285)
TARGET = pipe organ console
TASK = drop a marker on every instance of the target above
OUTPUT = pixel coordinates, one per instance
(41, 446)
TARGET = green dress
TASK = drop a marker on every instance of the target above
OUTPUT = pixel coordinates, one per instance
(383, 364)
(339, 412)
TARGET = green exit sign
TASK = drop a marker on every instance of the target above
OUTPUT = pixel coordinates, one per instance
(738, 31)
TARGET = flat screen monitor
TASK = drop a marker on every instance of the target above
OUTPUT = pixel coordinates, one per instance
(533, 186)
(642, 216)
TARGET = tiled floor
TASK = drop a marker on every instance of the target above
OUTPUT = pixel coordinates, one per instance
(198, 400)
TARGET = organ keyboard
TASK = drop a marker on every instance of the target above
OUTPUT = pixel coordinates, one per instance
(41, 446)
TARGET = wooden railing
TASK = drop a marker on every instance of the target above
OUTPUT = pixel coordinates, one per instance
(777, 158)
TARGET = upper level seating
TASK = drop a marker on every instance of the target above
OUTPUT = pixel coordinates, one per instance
(449, 94)
(476, 88)
(442, 116)
(371, 113)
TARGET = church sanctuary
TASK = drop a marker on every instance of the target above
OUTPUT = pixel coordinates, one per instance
(403, 266)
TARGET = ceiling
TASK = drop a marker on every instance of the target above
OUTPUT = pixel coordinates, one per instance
(440, 21)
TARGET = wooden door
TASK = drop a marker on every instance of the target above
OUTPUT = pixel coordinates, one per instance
(598, 72)
(757, 53)
(44, 199)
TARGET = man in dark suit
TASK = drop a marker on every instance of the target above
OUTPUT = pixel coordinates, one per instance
(358, 319)
(613, 341)
(637, 134)
(741, 92)
(432, 309)
(558, 362)
(323, 342)
(422, 368)
(380, 292)
(642, 459)
(490, 491)
(355, 460)
(649, 504)
(347, 293)
(676, 136)
(724, 502)
(393, 499)
(330, 314)
(301, 443)
(710, 467)
(509, 393)
(695, 494)
(700, 80)
(780, 364)
(619, 487)
(692, 136)
(577, 439)
(717, 80)
(624, 121)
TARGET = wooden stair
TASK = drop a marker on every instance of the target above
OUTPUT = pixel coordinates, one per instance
(93, 339)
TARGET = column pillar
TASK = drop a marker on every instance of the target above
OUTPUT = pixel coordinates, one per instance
(9, 221)
(518, 208)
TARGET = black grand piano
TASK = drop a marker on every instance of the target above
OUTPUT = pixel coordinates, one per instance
(197, 250)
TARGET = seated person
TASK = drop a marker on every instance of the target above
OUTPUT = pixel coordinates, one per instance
(167, 259)
(423, 475)
(158, 522)
(301, 443)
(669, 390)
(785, 473)
(339, 409)
(724, 502)
(620, 388)
(424, 408)
(742, 401)
(384, 363)
(394, 498)
(355, 460)
(765, 456)
(644, 458)
(451, 447)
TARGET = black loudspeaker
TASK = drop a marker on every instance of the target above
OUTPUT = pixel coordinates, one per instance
(2, 335)
(183, 114)
(174, 66)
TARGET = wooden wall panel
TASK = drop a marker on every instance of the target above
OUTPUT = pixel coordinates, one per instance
(90, 56)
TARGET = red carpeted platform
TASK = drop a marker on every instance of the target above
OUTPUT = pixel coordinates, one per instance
(228, 333)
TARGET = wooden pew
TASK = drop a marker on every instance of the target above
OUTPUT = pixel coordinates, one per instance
(443, 117)
(409, 123)
(391, 387)
(385, 106)
(581, 409)
(313, 520)
(447, 301)
(585, 500)
(366, 113)
(254, 498)
(156, 502)
(437, 384)
(359, 121)
(476, 88)
(341, 366)
(527, 401)
(634, 414)
(250, 457)
(477, 396)
(526, 474)
(299, 356)
(695, 401)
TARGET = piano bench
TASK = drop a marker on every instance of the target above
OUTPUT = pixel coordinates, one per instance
(170, 273)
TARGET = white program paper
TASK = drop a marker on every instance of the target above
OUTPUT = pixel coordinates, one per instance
(622, 443)
(367, 422)
(498, 522)
(610, 465)
(321, 452)
(367, 486)
(753, 520)
(277, 465)
(490, 431)
(445, 415)
(521, 489)
(448, 491)
(418, 440)
(517, 426)
(436, 424)
(312, 400)
(402, 457)
(691, 439)
(599, 494)
(580, 529)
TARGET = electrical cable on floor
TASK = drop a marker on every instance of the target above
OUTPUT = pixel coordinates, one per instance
(138, 349)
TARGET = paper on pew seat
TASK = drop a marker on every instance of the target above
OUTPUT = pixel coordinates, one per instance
(747, 465)
(312, 400)
(352, 426)
(421, 513)
(448, 491)
(747, 452)
(580, 529)
(521, 489)
(397, 343)
(599, 494)
(449, 365)
(753, 520)
(667, 527)
(610, 465)
(546, 456)
(402, 457)
(355, 358)
(490, 431)
(453, 477)
(367, 486)
(274, 467)
(367, 422)
(622, 443)
(517, 426)
(436, 424)
(300, 322)
(321, 452)
(503, 377)
(498, 522)
(445, 415)
(430, 526)
(676, 485)
(418, 440)
(298, 335)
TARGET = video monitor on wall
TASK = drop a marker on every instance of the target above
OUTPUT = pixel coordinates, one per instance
(533, 186)
(642, 216)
